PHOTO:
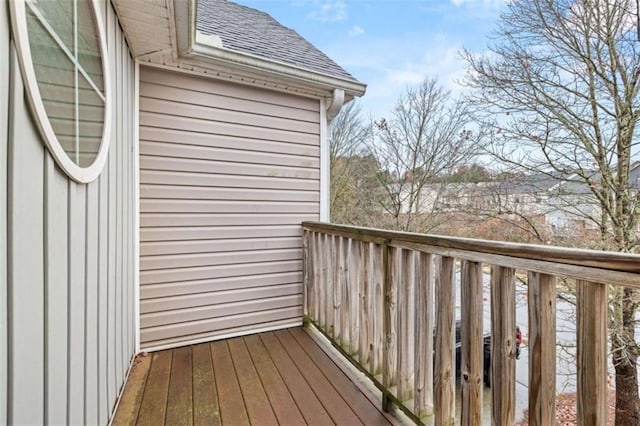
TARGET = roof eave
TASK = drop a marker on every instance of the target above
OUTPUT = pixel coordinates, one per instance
(193, 46)
(277, 69)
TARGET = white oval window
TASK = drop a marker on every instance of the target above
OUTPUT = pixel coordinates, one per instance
(63, 56)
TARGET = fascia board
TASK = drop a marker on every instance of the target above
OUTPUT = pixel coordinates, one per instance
(276, 69)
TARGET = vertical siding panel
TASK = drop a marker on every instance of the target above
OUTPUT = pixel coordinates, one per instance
(130, 181)
(4, 125)
(77, 261)
(91, 306)
(125, 208)
(68, 253)
(104, 400)
(102, 302)
(25, 262)
(132, 197)
(111, 320)
(103, 282)
(119, 207)
(57, 293)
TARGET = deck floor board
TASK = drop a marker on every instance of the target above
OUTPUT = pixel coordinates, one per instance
(281, 377)
(337, 408)
(206, 410)
(180, 396)
(357, 401)
(153, 406)
(255, 398)
(284, 406)
(232, 408)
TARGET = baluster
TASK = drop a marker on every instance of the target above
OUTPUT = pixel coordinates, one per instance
(542, 349)
(444, 374)
(423, 329)
(306, 273)
(347, 293)
(377, 317)
(322, 281)
(405, 364)
(503, 348)
(592, 353)
(365, 310)
(330, 267)
(472, 342)
(338, 284)
(355, 282)
(390, 351)
(338, 294)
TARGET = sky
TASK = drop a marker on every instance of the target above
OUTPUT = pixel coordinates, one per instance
(391, 44)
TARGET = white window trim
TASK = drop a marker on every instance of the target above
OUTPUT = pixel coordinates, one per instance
(20, 35)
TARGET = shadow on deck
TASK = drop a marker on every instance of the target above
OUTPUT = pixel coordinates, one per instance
(281, 377)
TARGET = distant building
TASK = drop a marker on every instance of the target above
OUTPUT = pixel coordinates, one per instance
(562, 202)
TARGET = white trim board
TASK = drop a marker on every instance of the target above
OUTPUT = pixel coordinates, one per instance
(136, 206)
(179, 66)
(223, 336)
(5, 69)
(324, 163)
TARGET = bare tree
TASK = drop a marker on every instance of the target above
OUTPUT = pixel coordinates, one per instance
(560, 89)
(426, 137)
(353, 173)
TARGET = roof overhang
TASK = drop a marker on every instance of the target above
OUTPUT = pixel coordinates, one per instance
(198, 53)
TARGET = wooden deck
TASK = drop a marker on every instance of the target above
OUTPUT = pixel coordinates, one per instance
(281, 377)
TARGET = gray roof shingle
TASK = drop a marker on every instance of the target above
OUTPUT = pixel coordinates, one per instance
(248, 30)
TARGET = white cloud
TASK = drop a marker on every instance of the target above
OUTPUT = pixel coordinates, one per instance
(330, 11)
(389, 66)
(355, 31)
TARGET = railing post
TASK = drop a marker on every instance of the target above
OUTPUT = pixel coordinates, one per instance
(472, 365)
(592, 353)
(503, 345)
(444, 371)
(542, 349)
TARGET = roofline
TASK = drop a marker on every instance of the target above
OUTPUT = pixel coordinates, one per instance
(191, 45)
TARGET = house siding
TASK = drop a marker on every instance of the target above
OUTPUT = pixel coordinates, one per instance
(227, 174)
(70, 280)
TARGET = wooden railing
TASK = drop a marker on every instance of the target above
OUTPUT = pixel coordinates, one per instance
(387, 301)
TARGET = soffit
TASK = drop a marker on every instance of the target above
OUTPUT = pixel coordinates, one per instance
(149, 26)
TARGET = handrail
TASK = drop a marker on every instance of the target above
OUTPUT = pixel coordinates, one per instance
(612, 261)
(615, 268)
(386, 299)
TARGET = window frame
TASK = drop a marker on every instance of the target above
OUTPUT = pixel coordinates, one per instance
(21, 38)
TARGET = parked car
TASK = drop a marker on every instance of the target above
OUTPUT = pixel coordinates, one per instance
(486, 352)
